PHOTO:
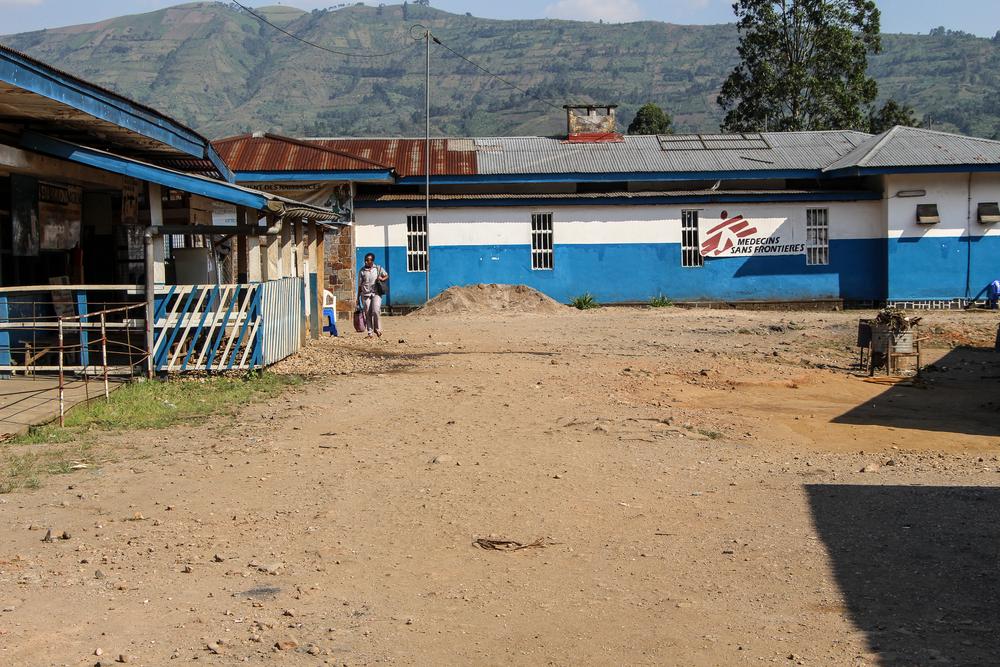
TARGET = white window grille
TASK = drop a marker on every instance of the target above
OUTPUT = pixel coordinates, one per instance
(416, 243)
(690, 247)
(817, 236)
(541, 241)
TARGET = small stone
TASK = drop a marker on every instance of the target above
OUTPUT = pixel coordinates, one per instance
(270, 568)
(187, 569)
(313, 650)
(122, 658)
(288, 612)
(409, 621)
(48, 536)
(441, 458)
(285, 645)
(8, 609)
(214, 648)
(64, 536)
(99, 575)
(99, 652)
(217, 558)
(871, 467)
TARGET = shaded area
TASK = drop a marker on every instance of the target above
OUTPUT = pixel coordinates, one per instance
(961, 394)
(919, 568)
(28, 401)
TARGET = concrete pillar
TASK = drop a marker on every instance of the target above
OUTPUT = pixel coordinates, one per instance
(285, 250)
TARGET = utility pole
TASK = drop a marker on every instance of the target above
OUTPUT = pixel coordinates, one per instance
(427, 162)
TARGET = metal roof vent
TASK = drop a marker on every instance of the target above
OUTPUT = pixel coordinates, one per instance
(987, 212)
(258, 135)
(927, 214)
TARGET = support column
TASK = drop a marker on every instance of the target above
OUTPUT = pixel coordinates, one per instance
(155, 269)
(254, 274)
(320, 259)
(313, 304)
(242, 248)
(285, 252)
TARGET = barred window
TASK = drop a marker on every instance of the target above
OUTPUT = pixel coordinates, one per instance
(690, 248)
(817, 236)
(416, 243)
(541, 241)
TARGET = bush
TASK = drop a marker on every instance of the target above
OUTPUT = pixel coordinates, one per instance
(584, 301)
(660, 301)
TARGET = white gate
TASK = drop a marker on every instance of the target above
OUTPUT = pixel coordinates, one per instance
(282, 319)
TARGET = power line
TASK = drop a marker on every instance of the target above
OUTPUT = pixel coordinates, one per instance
(495, 76)
(314, 44)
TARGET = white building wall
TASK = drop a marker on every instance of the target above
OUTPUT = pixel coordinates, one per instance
(596, 224)
(955, 200)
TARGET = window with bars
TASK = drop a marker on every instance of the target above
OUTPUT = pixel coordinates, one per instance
(416, 243)
(690, 247)
(541, 241)
(817, 236)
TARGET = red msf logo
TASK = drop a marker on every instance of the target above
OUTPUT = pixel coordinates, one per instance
(723, 236)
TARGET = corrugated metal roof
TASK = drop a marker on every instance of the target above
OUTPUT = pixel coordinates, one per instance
(683, 153)
(917, 147)
(271, 152)
(406, 156)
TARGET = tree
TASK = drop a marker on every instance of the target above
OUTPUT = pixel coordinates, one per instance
(803, 65)
(891, 114)
(651, 119)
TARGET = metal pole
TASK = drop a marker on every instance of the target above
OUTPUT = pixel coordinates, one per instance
(427, 162)
(86, 367)
(150, 303)
(104, 355)
(62, 389)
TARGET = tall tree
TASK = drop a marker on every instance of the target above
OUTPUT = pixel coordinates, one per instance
(651, 119)
(891, 114)
(803, 65)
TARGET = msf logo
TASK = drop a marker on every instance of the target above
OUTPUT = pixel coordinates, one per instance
(724, 235)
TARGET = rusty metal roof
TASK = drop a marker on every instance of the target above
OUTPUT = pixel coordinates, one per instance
(271, 152)
(452, 157)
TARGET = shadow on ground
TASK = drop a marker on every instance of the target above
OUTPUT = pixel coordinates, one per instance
(961, 395)
(919, 568)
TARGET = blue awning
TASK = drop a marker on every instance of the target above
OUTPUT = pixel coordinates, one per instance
(199, 185)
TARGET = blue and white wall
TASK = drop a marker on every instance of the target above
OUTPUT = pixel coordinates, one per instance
(952, 259)
(627, 253)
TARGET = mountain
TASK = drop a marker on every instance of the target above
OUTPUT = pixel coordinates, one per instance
(221, 71)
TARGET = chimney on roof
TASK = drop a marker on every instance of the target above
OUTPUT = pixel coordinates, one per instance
(591, 123)
(258, 135)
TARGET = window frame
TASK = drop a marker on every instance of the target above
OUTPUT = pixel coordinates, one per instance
(818, 244)
(691, 257)
(542, 241)
(416, 243)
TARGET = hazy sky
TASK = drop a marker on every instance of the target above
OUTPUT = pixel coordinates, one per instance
(980, 17)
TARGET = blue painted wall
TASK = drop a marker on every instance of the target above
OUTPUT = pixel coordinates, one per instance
(932, 268)
(638, 272)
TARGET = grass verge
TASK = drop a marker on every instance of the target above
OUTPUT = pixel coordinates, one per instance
(141, 405)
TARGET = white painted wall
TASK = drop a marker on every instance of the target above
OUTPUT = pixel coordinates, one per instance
(602, 224)
(951, 193)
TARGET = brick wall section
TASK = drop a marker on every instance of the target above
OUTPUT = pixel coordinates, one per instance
(338, 246)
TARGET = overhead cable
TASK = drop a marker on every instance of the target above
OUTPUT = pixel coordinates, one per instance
(495, 76)
(314, 44)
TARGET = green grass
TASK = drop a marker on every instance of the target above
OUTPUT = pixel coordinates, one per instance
(660, 301)
(584, 301)
(141, 405)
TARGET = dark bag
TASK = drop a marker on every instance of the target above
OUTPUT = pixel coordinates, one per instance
(380, 287)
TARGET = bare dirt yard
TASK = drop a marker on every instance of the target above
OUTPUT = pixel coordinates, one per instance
(694, 487)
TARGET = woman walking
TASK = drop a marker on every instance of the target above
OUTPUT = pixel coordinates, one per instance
(371, 287)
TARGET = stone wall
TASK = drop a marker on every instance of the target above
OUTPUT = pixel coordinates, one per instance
(338, 246)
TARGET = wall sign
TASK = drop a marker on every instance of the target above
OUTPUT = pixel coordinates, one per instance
(736, 236)
(60, 210)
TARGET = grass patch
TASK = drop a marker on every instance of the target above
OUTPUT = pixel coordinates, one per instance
(711, 435)
(660, 301)
(584, 302)
(141, 405)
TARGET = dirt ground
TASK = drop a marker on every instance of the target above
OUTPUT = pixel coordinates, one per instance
(704, 488)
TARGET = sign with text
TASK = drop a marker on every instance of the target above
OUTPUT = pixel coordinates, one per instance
(736, 236)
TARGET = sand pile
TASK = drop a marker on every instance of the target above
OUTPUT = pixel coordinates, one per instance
(492, 299)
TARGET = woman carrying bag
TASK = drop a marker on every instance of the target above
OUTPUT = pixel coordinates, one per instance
(371, 287)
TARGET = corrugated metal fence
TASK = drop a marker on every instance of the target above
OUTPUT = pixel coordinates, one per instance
(282, 318)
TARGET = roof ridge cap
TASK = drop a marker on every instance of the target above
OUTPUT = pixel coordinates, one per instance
(323, 149)
(877, 146)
